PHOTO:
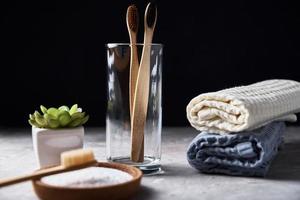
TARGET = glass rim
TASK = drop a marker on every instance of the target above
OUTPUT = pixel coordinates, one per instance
(114, 44)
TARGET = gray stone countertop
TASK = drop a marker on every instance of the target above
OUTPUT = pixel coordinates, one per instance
(179, 180)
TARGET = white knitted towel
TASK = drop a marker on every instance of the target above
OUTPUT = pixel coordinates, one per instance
(245, 107)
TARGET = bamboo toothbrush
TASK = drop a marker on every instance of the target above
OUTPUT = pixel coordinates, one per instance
(132, 20)
(70, 160)
(140, 104)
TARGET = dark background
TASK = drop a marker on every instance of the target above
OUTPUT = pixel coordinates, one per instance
(53, 53)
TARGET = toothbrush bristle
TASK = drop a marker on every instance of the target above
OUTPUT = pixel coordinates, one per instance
(151, 14)
(77, 157)
(132, 18)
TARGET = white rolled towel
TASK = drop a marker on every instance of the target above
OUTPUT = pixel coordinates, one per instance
(245, 107)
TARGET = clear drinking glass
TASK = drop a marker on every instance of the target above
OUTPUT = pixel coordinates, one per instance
(118, 126)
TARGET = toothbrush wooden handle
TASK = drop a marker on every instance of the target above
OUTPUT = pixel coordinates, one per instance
(140, 106)
(141, 96)
(134, 67)
(10, 181)
(35, 175)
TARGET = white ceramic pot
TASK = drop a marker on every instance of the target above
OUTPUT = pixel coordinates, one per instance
(48, 144)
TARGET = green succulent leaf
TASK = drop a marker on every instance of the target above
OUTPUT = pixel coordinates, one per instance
(61, 117)
(75, 122)
(33, 123)
(31, 116)
(66, 108)
(53, 111)
(64, 118)
(43, 109)
(78, 115)
(49, 116)
(85, 119)
(73, 109)
(41, 121)
(37, 114)
(53, 123)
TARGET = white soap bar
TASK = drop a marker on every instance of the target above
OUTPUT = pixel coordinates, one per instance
(88, 177)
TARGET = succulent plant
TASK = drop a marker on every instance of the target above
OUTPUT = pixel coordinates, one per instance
(62, 117)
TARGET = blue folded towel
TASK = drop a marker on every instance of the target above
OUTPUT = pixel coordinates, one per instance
(247, 153)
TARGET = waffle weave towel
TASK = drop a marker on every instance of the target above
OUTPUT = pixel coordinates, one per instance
(246, 154)
(245, 107)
